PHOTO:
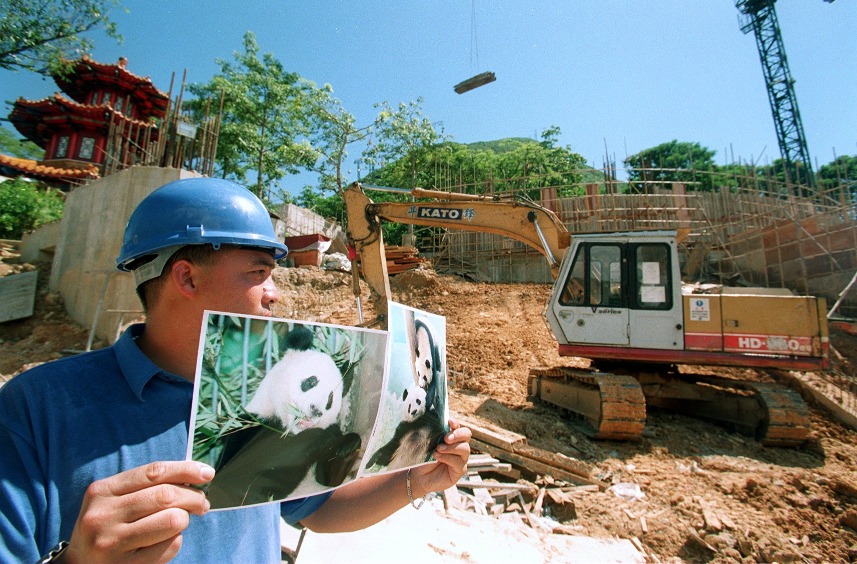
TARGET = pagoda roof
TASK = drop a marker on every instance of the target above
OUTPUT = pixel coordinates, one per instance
(33, 118)
(35, 169)
(87, 75)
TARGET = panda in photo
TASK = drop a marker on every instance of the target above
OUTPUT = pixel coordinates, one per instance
(426, 361)
(299, 443)
(413, 402)
(412, 442)
(422, 425)
(302, 391)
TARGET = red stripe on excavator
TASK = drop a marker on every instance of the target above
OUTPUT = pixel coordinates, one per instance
(695, 357)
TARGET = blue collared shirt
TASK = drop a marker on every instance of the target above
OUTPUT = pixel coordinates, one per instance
(70, 422)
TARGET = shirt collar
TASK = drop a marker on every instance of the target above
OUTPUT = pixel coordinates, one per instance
(135, 366)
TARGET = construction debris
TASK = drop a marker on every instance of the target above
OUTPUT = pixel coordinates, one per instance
(512, 447)
(402, 258)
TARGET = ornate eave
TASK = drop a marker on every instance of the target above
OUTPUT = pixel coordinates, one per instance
(87, 75)
(35, 169)
(36, 119)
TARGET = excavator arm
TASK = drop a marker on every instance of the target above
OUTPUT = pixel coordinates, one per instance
(526, 222)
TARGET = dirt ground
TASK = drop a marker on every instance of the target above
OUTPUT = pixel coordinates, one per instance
(709, 495)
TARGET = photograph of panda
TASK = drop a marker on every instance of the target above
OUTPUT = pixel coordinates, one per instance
(413, 417)
(284, 408)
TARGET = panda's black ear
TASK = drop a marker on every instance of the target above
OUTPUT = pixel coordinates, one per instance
(299, 338)
(405, 395)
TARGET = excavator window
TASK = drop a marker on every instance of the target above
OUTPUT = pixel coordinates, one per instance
(598, 278)
(595, 278)
(651, 269)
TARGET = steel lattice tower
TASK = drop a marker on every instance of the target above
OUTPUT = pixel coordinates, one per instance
(761, 18)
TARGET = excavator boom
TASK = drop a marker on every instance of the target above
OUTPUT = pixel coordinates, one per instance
(526, 222)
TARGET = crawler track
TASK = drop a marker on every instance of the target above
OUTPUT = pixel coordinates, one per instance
(612, 404)
(615, 405)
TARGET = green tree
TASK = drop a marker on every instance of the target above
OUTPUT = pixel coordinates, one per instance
(672, 162)
(841, 172)
(403, 135)
(524, 166)
(10, 144)
(513, 164)
(266, 120)
(330, 206)
(40, 35)
(25, 205)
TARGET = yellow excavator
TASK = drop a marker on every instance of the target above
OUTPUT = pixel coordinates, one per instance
(618, 299)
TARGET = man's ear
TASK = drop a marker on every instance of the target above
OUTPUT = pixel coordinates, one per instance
(183, 276)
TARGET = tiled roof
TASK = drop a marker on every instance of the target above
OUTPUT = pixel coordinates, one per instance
(87, 74)
(29, 116)
(36, 169)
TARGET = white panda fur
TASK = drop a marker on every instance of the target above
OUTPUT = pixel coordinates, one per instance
(424, 359)
(303, 390)
(411, 442)
(302, 445)
(413, 402)
(427, 363)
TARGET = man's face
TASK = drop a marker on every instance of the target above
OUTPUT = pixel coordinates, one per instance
(239, 281)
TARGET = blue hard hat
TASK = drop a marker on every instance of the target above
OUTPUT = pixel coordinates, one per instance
(196, 211)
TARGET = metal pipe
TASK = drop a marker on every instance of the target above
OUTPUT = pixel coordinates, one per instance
(532, 217)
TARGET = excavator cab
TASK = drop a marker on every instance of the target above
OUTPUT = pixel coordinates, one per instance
(619, 291)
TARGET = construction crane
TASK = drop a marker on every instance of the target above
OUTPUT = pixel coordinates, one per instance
(761, 19)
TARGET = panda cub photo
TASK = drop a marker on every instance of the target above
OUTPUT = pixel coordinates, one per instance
(299, 445)
(410, 431)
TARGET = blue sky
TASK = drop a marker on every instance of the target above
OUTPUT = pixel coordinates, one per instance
(615, 76)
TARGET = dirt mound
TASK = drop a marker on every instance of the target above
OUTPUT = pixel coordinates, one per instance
(709, 495)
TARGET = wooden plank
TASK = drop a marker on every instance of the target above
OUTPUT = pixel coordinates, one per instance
(17, 295)
(533, 465)
(492, 435)
(556, 459)
(495, 485)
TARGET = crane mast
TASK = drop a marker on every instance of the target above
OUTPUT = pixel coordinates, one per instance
(761, 19)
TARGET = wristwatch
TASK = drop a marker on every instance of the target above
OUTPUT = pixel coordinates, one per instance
(54, 553)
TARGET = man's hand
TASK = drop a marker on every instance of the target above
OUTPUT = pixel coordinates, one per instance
(139, 514)
(452, 458)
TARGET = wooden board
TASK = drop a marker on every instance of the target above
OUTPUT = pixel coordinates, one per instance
(17, 295)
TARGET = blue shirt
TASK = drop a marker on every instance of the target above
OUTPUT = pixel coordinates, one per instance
(70, 422)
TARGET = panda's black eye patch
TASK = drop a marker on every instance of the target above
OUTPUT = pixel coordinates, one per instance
(405, 395)
(309, 383)
(417, 351)
(428, 364)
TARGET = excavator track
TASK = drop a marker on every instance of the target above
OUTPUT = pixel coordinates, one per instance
(612, 404)
(788, 422)
(773, 414)
(615, 404)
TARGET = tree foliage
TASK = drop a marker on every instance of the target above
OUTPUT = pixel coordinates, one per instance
(479, 167)
(10, 144)
(41, 35)
(276, 123)
(521, 165)
(842, 171)
(673, 161)
(266, 118)
(402, 135)
(25, 205)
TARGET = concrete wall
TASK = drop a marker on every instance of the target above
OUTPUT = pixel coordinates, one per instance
(88, 240)
(40, 245)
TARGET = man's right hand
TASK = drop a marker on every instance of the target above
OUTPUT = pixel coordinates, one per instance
(139, 514)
